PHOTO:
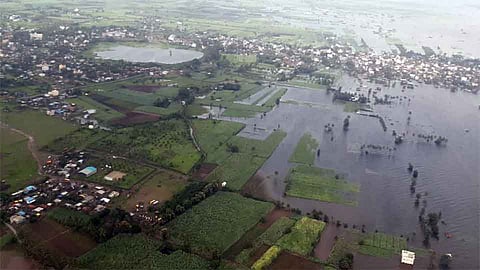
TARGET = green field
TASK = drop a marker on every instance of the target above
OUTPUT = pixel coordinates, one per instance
(76, 140)
(103, 113)
(267, 258)
(272, 101)
(69, 217)
(321, 184)
(240, 59)
(173, 108)
(17, 164)
(382, 245)
(43, 128)
(134, 171)
(215, 224)
(303, 237)
(305, 151)
(259, 148)
(166, 143)
(213, 134)
(137, 252)
(275, 232)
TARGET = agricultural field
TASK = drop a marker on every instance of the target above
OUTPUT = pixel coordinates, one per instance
(131, 251)
(69, 217)
(166, 143)
(275, 232)
(17, 164)
(77, 140)
(381, 245)
(43, 128)
(240, 59)
(161, 187)
(58, 238)
(103, 113)
(321, 184)
(207, 228)
(267, 258)
(236, 170)
(305, 151)
(213, 134)
(303, 236)
(259, 148)
(134, 171)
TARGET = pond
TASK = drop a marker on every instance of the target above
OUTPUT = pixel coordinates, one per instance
(449, 174)
(149, 54)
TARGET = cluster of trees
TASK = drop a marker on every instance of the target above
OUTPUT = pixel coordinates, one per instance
(161, 102)
(429, 226)
(346, 262)
(231, 86)
(345, 96)
(187, 95)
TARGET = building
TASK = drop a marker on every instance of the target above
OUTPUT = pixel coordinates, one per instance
(114, 176)
(408, 257)
(15, 219)
(88, 171)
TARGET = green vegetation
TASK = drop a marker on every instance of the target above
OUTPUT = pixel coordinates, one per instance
(69, 217)
(167, 143)
(213, 134)
(17, 164)
(382, 245)
(272, 101)
(103, 113)
(275, 232)
(76, 140)
(134, 171)
(321, 184)
(259, 148)
(303, 237)
(171, 109)
(212, 226)
(6, 239)
(132, 252)
(352, 107)
(43, 128)
(267, 258)
(305, 150)
(240, 59)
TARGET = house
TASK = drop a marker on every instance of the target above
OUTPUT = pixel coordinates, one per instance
(29, 189)
(113, 194)
(29, 200)
(88, 171)
(114, 176)
(408, 257)
(15, 219)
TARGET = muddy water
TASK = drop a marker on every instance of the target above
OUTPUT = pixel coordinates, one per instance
(450, 174)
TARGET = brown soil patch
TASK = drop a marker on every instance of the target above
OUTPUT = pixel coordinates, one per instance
(59, 238)
(133, 118)
(143, 88)
(12, 257)
(326, 242)
(258, 254)
(274, 215)
(204, 170)
(255, 187)
(289, 261)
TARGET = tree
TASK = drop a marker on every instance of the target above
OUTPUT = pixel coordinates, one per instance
(445, 261)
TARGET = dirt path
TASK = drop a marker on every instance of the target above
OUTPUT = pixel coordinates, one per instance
(11, 228)
(31, 145)
(327, 241)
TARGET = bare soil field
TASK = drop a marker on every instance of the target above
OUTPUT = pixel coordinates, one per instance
(287, 260)
(204, 170)
(133, 118)
(12, 257)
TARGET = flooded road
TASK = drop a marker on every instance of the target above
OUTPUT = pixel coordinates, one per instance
(449, 174)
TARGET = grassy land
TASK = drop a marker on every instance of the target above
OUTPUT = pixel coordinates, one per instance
(275, 232)
(134, 172)
(303, 237)
(321, 184)
(17, 164)
(213, 134)
(351, 107)
(240, 59)
(161, 187)
(167, 143)
(103, 113)
(267, 258)
(6, 239)
(76, 140)
(272, 101)
(43, 128)
(236, 170)
(131, 252)
(69, 217)
(212, 226)
(173, 108)
(382, 245)
(259, 148)
(305, 150)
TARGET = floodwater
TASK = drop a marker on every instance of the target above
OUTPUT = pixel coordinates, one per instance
(149, 55)
(449, 174)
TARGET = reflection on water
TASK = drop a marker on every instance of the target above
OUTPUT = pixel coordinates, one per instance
(149, 55)
(450, 174)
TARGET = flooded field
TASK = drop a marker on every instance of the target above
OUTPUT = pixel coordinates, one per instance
(449, 174)
(149, 55)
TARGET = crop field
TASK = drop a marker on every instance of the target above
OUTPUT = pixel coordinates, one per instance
(171, 109)
(321, 184)
(275, 232)
(166, 143)
(77, 140)
(303, 237)
(213, 134)
(17, 164)
(382, 245)
(103, 113)
(236, 170)
(240, 59)
(58, 238)
(43, 128)
(132, 251)
(259, 148)
(215, 224)
(134, 171)
(305, 150)
(161, 187)
(267, 258)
